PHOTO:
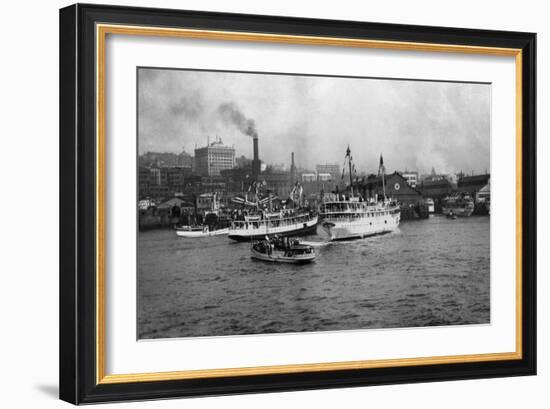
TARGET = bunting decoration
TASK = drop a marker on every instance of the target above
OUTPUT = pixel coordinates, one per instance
(297, 192)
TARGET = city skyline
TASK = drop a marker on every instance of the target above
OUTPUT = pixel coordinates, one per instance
(286, 166)
(448, 123)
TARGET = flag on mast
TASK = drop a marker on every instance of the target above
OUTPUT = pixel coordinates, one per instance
(381, 168)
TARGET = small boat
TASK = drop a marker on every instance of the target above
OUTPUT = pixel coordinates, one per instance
(199, 231)
(283, 250)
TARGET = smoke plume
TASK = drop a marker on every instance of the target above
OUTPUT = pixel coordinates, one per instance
(230, 113)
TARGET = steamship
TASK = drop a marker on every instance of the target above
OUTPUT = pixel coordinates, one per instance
(292, 222)
(354, 218)
(254, 228)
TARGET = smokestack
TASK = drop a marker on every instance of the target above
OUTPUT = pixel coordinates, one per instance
(292, 169)
(256, 159)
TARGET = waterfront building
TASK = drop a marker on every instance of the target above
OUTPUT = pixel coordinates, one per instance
(395, 186)
(213, 158)
(309, 177)
(325, 177)
(484, 194)
(163, 182)
(472, 184)
(205, 201)
(436, 188)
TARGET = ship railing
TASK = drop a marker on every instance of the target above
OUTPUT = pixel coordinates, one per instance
(271, 223)
(370, 213)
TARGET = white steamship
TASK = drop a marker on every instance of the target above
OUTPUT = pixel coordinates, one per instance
(352, 217)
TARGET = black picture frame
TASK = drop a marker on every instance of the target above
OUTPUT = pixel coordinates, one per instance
(78, 359)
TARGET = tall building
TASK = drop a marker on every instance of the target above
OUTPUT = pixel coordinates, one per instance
(333, 170)
(213, 158)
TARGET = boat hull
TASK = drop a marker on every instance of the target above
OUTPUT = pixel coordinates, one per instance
(259, 233)
(199, 234)
(358, 229)
(279, 258)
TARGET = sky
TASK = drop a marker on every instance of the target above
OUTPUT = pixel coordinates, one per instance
(415, 125)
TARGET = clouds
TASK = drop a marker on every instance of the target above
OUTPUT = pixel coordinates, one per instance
(415, 124)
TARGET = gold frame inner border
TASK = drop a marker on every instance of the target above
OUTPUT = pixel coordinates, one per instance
(102, 30)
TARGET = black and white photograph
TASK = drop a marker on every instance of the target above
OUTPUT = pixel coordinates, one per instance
(283, 203)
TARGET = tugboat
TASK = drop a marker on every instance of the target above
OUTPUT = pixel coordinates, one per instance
(282, 250)
(354, 218)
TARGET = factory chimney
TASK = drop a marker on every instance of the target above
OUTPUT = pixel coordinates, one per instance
(292, 170)
(256, 166)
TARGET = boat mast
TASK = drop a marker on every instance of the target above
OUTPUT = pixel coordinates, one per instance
(348, 154)
(381, 169)
(383, 185)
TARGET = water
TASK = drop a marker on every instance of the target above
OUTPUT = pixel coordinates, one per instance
(429, 272)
